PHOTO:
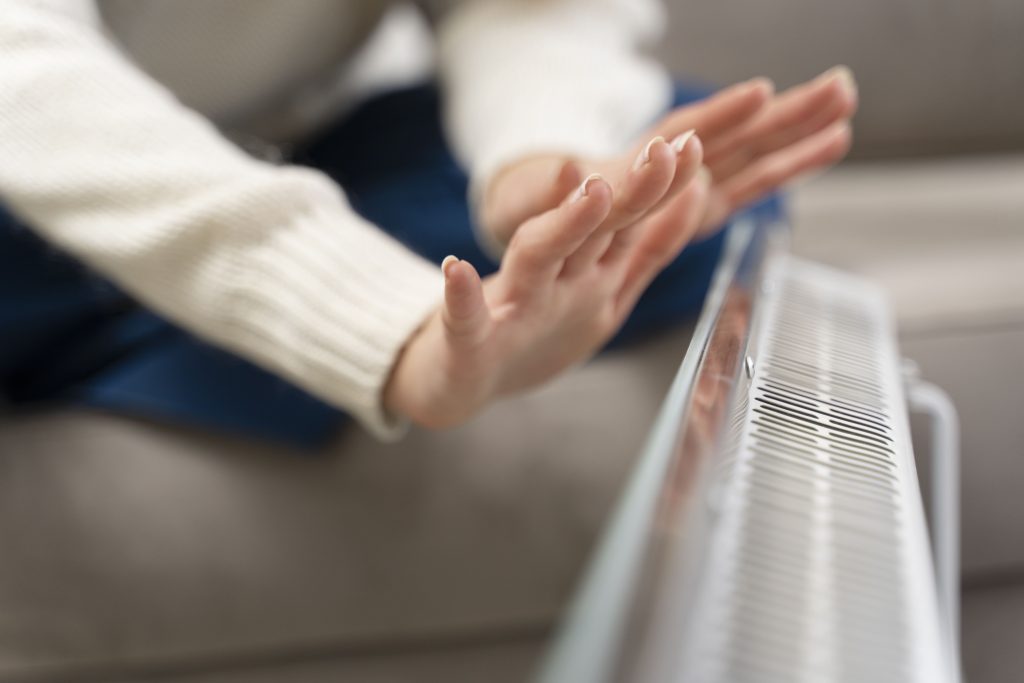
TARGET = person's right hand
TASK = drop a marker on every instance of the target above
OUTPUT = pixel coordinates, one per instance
(568, 280)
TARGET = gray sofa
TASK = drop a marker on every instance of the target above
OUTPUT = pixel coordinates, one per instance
(133, 551)
(136, 551)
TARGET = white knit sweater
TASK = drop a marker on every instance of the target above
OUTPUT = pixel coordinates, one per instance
(110, 147)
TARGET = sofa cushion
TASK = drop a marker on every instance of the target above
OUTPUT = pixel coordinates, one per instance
(946, 238)
(135, 548)
(992, 618)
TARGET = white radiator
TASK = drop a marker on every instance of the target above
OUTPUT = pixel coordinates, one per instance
(774, 528)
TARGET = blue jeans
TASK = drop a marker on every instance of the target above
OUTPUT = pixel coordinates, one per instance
(69, 336)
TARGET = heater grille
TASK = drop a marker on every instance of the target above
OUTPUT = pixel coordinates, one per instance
(819, 566)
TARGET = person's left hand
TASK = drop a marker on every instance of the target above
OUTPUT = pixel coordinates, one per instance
(568, 280)
(754, 142)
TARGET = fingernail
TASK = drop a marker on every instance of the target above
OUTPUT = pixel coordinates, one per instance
(761, 81)
(680, 141)
(446, 265)
(843, 75)
(584, 187)
(645, 154)
(704, 175)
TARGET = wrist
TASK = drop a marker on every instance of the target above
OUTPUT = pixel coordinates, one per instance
(397, 396)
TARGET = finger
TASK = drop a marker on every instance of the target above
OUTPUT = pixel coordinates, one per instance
(778, 168)
(540, 246)
(689, 164)
(690, 155)
(660, 171)
(465, 314)
(794, 115)
(642, 184)
(537, 185)
(663, 237)
(645, 181)
(832, 97)
(719, 113)
(789, 108)
(724, 167)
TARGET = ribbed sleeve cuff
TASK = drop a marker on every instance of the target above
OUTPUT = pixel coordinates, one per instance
(328, 302)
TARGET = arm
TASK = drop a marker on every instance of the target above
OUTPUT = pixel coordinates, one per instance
(547, 76)
(268, 262)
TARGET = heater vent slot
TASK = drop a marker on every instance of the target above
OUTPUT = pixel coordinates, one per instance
(818, 546)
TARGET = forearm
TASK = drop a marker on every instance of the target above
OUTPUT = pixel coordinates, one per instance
(268, 262)
(547, 76)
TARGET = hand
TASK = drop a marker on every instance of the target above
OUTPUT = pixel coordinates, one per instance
(568, 280)
(754, 142)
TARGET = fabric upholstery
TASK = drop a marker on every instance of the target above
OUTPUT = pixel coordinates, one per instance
(992, 633)
(140, 547)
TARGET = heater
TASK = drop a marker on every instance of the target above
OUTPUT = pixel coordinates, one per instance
(773, 529)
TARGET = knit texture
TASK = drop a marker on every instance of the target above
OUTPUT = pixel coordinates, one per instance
(270, 262)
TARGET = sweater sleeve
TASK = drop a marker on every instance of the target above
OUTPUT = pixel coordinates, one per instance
(268, 262)
(529, 76)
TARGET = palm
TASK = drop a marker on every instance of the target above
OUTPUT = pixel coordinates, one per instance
(568, 280)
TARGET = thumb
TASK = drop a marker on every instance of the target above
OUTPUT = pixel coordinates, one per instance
(465, 313)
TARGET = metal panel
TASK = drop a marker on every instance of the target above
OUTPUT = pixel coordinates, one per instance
(774, 529)
(819, 569)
